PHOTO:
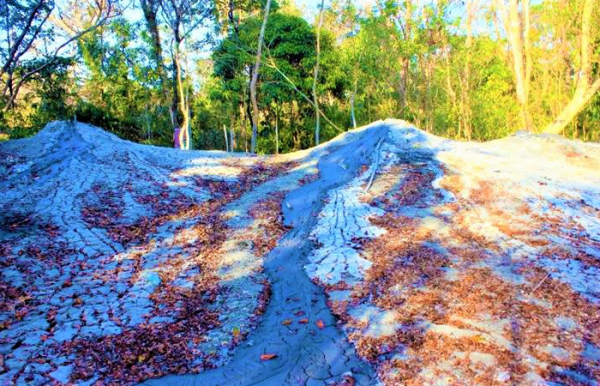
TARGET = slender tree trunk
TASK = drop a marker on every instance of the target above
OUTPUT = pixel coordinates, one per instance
(276, 131)
(466, 86)
(304, 96)
(226, 138)
(184, 128)
(449, 89)
(232, 133)
(354, 91)
(232, 19)
(580, 99)
(352, 115)
(150, 9)
(406, 58)
(316, 77)
(261, 38)
(515, 35)
(527, 46)
(404, 84)
(584, 91)
(429, 102)
(188, 112)
(243, 121)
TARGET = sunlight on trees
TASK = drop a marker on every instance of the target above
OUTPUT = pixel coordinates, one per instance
(145, 70)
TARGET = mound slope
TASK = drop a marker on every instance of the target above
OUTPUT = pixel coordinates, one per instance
(385, 255)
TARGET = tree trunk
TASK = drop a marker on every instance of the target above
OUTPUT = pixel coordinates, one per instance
(354, 91)
(584, 91)
(352, 115)
(276, 131)
(244, 133)
(580, 99)
(150, 9)
(261, 38)
(232, 133)
(183, 107)
(466, 86)
(226, 138)
(515, 32)
(232, 19)
(404, 82)
(316, 77)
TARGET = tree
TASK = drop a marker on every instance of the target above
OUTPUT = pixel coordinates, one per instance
(150, 9)
(118, 91)
(181, 18)
(261, 38)
(316, 76)
(585, 89)
(286, 76)
(518, 26)
(25, 24)
(466, 79)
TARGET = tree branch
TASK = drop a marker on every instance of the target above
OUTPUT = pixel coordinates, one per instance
(304, 96)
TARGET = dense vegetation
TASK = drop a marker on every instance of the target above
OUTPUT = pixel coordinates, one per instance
(463, 69)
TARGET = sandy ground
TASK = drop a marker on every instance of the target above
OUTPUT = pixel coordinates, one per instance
(384, 256)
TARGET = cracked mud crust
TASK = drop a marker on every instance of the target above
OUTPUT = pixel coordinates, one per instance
(385, 256)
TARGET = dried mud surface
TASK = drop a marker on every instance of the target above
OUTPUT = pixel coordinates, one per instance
(385, 256)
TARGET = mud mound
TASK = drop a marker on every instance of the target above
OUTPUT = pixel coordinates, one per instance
(385, 255)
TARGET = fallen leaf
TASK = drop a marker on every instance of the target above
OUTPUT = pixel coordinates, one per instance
(287, 322)
(303, 321)
(267, 357)
(348, 380)
(479, 338)
(320, 324)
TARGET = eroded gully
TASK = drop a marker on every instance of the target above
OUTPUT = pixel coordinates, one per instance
(306, 354)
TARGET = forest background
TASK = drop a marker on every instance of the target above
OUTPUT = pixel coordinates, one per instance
(463, 69)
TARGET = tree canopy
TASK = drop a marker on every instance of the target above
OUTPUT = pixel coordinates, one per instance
(467, 70)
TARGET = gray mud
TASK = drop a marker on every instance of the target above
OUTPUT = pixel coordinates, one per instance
(305, 353)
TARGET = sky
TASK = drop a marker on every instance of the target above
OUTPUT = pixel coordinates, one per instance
(311, 6)
(315, 3)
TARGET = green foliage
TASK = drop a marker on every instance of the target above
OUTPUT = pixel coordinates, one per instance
(414, 64)
(290, 46)
(45, 98)
(120, 93)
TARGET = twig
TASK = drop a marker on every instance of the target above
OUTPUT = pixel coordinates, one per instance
(272, 64)
(540, 283)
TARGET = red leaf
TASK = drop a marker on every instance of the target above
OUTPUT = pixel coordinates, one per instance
(348, 380)
(303, 321)
(320, 324)
(267, 357)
